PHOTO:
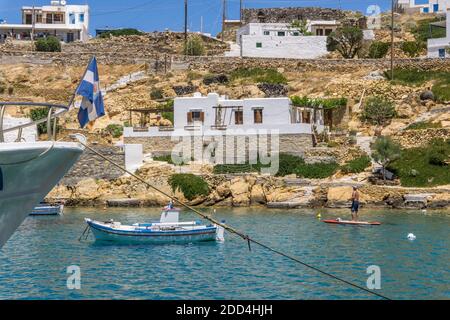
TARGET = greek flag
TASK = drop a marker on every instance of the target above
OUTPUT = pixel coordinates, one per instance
(91, 106)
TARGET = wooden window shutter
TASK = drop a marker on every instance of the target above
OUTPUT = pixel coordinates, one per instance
(202, 116)
(189, 117)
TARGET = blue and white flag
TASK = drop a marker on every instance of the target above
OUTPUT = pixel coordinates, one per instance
(91, 106)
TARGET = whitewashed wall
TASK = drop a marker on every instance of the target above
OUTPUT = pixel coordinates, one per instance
(309, 47)
(439, 43)
(28, 133)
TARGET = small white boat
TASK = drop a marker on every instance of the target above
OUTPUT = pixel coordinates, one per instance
(47, 209)
(167, 230)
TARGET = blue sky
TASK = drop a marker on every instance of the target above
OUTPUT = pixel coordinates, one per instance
(150, 15)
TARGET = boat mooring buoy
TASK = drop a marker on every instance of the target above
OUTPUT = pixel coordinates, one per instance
(411, 236)
(319, 216)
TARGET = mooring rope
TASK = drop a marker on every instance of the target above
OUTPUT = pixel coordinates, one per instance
(232, 230)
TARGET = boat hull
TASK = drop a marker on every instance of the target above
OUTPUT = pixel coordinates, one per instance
(28, 172)
(47, 211)
(158, 237)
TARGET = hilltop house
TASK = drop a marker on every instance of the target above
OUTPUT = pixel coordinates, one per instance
(66, 22)
(437, 48)
(431, 6)
(223, 122)
(280, 40)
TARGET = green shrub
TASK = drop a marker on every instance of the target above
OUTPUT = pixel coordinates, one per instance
(422, 32)
(116, 130)
(38, 114)
(168, 115)
(412, 48)
(259, 75)
(121, 32)
(190, 185)
(423, 125)
(423, 166)
(288, 164)
(356, 165)
(194, 46)
(49, 44)
(326, 103)
(378, 49)
(316, 170)
(441, 90)
(156, 94)
(377, 110)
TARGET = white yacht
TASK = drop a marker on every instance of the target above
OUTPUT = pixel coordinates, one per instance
(30, 169)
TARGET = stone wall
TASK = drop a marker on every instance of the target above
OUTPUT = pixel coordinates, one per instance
(287, 15)
(288, 143)
(92, 166)
(417, 138)
(217, 64)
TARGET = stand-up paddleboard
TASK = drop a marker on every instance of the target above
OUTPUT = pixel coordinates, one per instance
(356, 223)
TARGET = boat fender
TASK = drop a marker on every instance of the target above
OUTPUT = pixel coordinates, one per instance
(411, 236)
(220, 234)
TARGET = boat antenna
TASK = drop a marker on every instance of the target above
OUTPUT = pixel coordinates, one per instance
(227, 227)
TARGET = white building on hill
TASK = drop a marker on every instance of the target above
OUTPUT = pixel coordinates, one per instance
(432, 6)
(229, 125)
(66, 22)
(437, 48)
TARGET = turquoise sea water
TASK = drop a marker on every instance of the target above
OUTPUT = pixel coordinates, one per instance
(33, 263)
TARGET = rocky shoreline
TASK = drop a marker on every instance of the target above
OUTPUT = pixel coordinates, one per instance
(248, 191)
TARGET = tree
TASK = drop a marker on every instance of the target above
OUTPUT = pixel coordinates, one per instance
(412, 48)
(385, 151)
(194, 46)
(378, 110)
(347, 41)
(301, 26)
(378, 49)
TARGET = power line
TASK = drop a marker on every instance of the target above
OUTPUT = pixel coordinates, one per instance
(232, 230)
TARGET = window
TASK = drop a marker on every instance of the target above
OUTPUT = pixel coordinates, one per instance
(295, 33)
(441, 53)
(72, 18)
(195, 116)
(239, 117)
(57, 18)
(258, 115)
(39, 18)
(259, 44)
(28, 19)
(267, 33)
(426, 10)
(281, 33)
(328, 32)
(81, 17)
(319, 32)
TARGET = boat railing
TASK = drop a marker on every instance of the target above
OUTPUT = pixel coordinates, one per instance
(54, 112)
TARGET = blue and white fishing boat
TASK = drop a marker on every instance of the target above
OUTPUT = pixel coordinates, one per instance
(167, 230)
(48, 209)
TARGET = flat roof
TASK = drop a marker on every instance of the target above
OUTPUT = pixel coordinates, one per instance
(39, 26)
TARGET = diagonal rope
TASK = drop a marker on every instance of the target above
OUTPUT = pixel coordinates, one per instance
(232, 230)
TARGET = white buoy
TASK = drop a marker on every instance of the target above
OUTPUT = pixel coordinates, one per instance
(411, 236)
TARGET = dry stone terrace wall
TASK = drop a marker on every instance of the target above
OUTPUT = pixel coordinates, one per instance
(217, 64)
(92, 166)
(418, 138)
(287, 15)
(288, 143)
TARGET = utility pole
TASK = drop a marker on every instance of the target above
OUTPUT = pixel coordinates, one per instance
(241, 6)
(33, 25)
(185, 20)
(392, 41)
(224, 15)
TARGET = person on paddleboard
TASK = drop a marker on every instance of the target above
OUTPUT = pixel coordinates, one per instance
(355, 203)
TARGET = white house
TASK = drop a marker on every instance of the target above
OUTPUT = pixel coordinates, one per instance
(66, 22)
(280, 40)
(212, 117)
(437, 48)
(432, 6)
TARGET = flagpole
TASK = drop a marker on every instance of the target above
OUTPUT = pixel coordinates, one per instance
(79, 83)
